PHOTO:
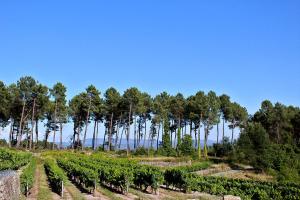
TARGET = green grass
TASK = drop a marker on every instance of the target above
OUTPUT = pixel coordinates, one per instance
(108, 193)
(74, 192)
(45, 192)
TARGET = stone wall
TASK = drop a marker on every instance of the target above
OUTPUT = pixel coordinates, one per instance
(9, 185)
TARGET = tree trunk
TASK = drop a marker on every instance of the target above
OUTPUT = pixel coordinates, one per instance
(32, 125)
(223, 131)
(196, 140)
(54, 131)
(10, 133)
(191, 126)
(158, 136)
(128, 133)
(145, 134)
(217, 133)
(121, 137)
(20, 126)
(27, 139)
(35, 145)
(178, 135)
(105, 132)
(110, 131)
(97, 131)
(199, 142)
(86, 124)
(232, 132)
(134, 134)
(148, 147)
(46, 140)
(205, 140)
(117, 134)
(60, 140)
(78, 136)
(94, 136)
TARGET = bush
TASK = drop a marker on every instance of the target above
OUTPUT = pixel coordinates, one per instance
(186, 146)
(27, 176)
(140, 151)
(55, 175)
(223, 149)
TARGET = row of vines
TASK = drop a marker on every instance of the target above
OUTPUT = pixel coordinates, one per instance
(11, 159)
(246, 189)
(119, 174)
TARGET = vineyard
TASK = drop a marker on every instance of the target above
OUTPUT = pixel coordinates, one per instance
(124, 175)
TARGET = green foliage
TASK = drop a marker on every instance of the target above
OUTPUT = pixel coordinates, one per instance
(186, 146)
(224, 148)
(78, 173)
(55, 175)
(116, 173)
(252, 146)
(195, 166)
(27, 176)
(222, 186)
(145, 176)
(166, 143)
(11, 159)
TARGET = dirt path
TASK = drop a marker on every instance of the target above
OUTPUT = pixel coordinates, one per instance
(44, 191)
(33, 193)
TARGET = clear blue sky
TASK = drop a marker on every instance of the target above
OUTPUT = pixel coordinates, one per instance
(247, 49)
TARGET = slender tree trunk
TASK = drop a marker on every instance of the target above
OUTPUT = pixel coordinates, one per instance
(117, 134)
(223, 131)
(217, 133)
(10, 133)
(46, 140)
(232, 132)
(135, 135)
(20, 126)
(128, 133)
(178, 135)
(148, 143)
(36, 133)
(54, 131)
(145, 134)
(105, 132)
(196, 140)
(191, 125)
(199, 133)
(86, 124)
(97, 131)
(61, 131)
(121, 137)
(205, 140)
(32, 125)
(74, 135)
(157, 141)
(110, 131)
(139, 133)
(94, 136)
(27, 139)
(78, 136)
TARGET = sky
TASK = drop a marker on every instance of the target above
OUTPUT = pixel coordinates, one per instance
(249, 50)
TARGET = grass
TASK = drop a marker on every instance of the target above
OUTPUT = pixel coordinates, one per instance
(74, 192)
(108, 193)
(45, 192)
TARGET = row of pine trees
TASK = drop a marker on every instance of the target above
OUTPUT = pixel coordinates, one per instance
(133, 114)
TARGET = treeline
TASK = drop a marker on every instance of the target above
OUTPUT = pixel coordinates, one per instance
(271, 141)
(27, 103)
